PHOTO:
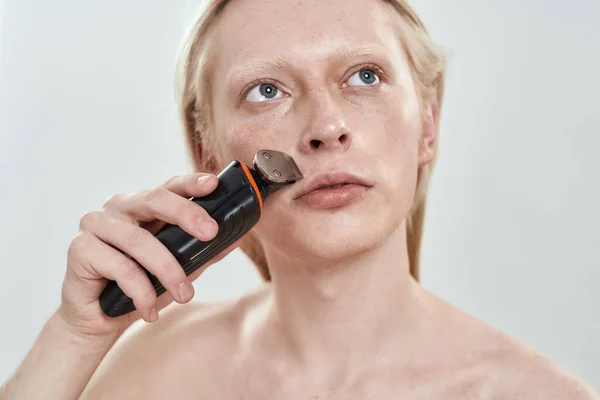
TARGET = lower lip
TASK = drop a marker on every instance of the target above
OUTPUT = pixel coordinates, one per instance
(332, 198)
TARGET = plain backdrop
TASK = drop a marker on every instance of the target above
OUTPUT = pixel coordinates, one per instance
(511, 236)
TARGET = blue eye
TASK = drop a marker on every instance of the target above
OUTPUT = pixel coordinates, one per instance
(262, 92)
(364, 77)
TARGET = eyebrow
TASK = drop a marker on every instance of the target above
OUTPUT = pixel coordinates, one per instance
(282, 63)
(257, 65)
(345, 53)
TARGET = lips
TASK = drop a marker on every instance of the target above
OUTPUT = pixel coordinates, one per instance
(330, 180)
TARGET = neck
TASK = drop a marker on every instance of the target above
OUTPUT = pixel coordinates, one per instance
(336, 317)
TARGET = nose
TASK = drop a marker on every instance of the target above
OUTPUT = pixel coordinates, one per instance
(326, 128)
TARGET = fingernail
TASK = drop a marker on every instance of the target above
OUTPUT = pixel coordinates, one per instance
(186, 291)
(207, 226)
(153, 314)
(203, 179)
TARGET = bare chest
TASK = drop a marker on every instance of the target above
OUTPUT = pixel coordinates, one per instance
(250, 384)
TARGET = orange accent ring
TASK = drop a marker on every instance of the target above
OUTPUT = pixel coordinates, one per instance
(253, 183)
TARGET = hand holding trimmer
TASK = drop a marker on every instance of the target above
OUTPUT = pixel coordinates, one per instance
(236, 205)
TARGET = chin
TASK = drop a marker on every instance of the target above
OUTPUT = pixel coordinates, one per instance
(333, 234)
(339, 244)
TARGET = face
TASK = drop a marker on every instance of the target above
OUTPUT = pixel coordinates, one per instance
(328, 82)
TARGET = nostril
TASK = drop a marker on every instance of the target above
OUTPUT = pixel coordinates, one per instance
(315, 143)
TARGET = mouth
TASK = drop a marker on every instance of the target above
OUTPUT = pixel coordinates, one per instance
(339, 185)
(331, 182)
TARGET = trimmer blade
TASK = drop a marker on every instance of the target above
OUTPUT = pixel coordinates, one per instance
(277, 167)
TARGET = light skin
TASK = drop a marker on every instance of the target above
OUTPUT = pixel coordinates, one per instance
(343, 318)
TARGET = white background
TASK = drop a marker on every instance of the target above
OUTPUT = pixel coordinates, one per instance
(512, 231)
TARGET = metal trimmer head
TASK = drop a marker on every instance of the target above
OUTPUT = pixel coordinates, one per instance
(276, 168)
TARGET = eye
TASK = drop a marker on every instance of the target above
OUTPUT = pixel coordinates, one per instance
(364, 77)
(262, 92)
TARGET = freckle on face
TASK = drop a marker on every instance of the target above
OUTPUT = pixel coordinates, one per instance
(383, 123)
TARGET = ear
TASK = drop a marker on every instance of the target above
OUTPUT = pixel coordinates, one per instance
(429, 134)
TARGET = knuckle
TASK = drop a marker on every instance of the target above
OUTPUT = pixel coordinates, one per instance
(171, 181)
(137, 237)
(171, 274)
(144, 301)
(173, 271)
(145, 296)
(79, 244)
(194, 212)
(112, 200)
(88, 219)
(149, 293)
(128, 270)
(167, 272)
(152, 195)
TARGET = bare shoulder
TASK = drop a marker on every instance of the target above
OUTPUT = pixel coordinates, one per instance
(494, 365)
(529, 375)
(183, 351)
(477, 361)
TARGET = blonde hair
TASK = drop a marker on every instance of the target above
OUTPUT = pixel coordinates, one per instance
(194, 72)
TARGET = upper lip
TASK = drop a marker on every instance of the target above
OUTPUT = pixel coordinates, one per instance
(328, 179)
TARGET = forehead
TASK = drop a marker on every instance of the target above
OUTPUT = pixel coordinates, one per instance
(302, 30)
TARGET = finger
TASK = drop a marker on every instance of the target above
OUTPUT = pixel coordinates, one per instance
(162, 204)
(102, 261)
(194, 275)
(165, 299)
(146, 249)
(192, 185)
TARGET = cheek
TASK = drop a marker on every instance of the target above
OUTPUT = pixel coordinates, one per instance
(401, 144)
(391, 132)
(242, 138)
(402, 126)
(389, 121)
(394, 143)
